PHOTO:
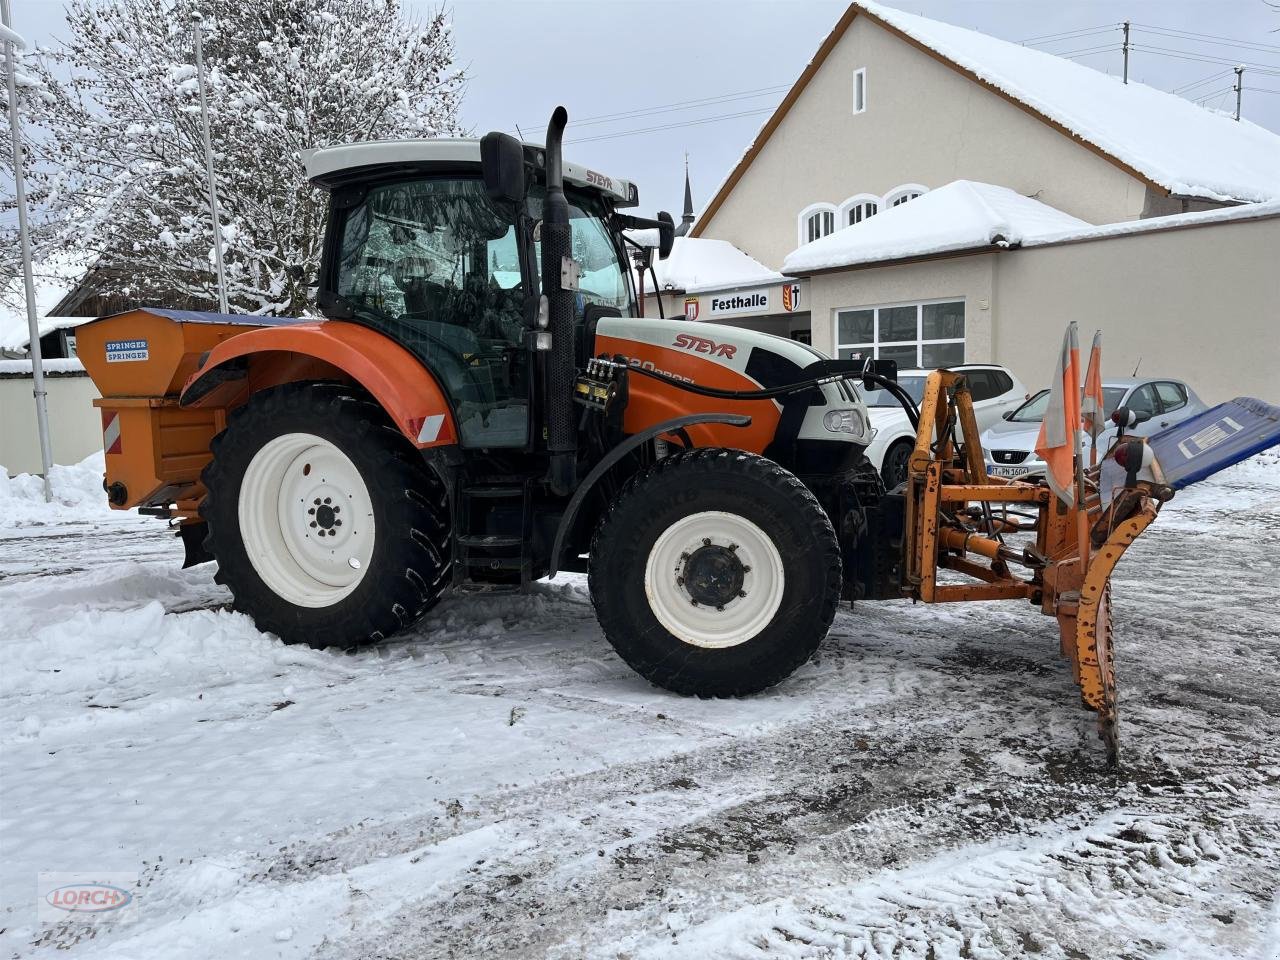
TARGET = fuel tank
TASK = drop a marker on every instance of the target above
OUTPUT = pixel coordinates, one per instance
(821, 430)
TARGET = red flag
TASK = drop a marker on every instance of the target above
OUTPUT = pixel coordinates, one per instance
(1059, 439)
(1093, 410)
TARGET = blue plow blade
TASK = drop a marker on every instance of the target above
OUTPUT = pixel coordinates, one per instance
(1214, 440)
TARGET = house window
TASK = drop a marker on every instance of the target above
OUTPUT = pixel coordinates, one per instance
(861, 210)
(900, 195)
(923, 335)
(860, 90)
(816, 221)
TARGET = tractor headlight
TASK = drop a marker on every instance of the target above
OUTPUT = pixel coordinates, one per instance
(845, 421)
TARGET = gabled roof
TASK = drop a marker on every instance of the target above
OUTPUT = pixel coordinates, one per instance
(1157, 137)
(963, 215)
(698, 264)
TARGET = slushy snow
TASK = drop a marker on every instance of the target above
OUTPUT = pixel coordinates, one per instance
(497, 783)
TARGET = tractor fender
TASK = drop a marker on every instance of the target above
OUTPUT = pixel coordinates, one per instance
(570, 514)
(268, 356)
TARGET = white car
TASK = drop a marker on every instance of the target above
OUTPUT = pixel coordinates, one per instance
(995, 392)
(1009, 446)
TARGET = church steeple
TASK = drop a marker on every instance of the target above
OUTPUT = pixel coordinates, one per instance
(686, 221)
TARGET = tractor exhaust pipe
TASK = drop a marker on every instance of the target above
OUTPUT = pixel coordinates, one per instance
(560, 284)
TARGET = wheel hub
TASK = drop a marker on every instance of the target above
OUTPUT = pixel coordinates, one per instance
(713, 574)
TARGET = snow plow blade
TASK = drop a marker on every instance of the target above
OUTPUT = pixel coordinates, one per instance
(961, 523)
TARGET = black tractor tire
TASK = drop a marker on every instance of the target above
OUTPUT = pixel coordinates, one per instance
(894, 468)
(745, 486)
(409, 566)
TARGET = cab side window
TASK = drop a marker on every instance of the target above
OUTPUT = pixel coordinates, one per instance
(982, 385)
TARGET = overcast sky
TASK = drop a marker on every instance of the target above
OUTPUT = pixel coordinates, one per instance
(606, 57)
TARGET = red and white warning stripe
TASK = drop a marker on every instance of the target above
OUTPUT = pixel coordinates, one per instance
(428, 428)
(111, 431)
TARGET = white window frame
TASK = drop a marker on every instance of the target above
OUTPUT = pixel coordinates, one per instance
(920, 342)
(859, 74)
(802, 222)
(856, 200)
(898, 192)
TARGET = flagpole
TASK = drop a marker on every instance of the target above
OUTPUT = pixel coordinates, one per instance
(197, 22)
(11, 43)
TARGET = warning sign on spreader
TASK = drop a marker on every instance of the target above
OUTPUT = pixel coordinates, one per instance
(120, 351)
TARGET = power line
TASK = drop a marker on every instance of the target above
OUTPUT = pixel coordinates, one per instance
(1190, 86)
(1082, 32)
(678, 105)
(1261, 90)
(1193, 56)
(1105, 48)
(671, 126)
(1210, 38)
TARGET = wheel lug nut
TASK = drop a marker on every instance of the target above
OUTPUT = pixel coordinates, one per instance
(706, 541)
(680, 581)
(694, 602)
(327, 500)
(337, 523)
(337, 509)
(745, 568)
(720, 609)
(312, 512)
(317, 501)
(742, 593)
(733, 547)
(313, 523)
(684, 556)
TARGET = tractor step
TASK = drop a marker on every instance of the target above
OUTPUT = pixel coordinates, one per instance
(489, 541)
(494, 491)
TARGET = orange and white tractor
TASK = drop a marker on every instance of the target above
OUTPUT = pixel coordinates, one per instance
(481, 402)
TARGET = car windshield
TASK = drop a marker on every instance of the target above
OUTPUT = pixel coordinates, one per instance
(914, 386)
(1033, 410)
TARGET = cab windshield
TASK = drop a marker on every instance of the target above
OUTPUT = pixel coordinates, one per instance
(914, 386)
(436, 265)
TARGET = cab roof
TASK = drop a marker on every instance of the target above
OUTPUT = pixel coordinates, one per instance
(330, 165)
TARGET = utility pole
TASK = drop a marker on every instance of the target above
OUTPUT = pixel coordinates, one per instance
(1125, 48)
(1239, 88)
(196, 24)
(11, 43)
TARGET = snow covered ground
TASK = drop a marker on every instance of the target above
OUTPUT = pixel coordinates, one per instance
(498, 784)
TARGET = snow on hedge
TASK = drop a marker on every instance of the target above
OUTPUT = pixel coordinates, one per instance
(959, 216)
(1187, 150)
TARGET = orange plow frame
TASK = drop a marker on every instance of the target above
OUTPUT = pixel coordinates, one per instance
(951, 525)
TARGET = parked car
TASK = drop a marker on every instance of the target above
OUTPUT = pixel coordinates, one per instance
(995, 392)
(1010, 444)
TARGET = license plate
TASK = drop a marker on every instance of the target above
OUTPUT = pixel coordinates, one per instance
(1010, 473)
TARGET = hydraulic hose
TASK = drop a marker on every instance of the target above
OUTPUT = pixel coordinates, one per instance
(771, 393)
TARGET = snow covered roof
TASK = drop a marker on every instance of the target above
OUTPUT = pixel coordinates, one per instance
(963, 215)
(698, 264)
(1183, 148)
(1157, 136)
(54, 279)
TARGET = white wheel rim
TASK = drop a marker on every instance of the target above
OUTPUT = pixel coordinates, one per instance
(700, 624)
(306, 520)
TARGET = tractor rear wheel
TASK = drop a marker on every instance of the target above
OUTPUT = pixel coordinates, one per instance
(715, 573)
(326, 525)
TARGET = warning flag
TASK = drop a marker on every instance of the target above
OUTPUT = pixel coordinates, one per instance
(1093, 411)
(1059, 439)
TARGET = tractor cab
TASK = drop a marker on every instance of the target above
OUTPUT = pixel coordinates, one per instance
(427, 247)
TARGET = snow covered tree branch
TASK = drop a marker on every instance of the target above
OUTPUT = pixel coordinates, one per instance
(121, 152)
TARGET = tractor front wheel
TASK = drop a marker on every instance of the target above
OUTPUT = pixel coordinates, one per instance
(715, 573)
(325, 523)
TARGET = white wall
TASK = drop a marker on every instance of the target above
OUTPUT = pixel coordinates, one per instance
(924, 123)
(75, 426)
(1200, 304)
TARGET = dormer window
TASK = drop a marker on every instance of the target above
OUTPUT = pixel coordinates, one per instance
(860, 90)
(903, 194)
(816, 221)
(859, 207)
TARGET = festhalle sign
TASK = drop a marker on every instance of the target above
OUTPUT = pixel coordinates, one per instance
(757, 302)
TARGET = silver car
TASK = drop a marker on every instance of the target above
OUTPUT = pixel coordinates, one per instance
(1009, 446)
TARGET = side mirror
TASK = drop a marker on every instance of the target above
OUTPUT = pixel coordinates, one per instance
(1124, 417)
(666, 234)
(502, 166)
(882, 368)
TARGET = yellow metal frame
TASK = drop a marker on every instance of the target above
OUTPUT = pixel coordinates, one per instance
(947, 474)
